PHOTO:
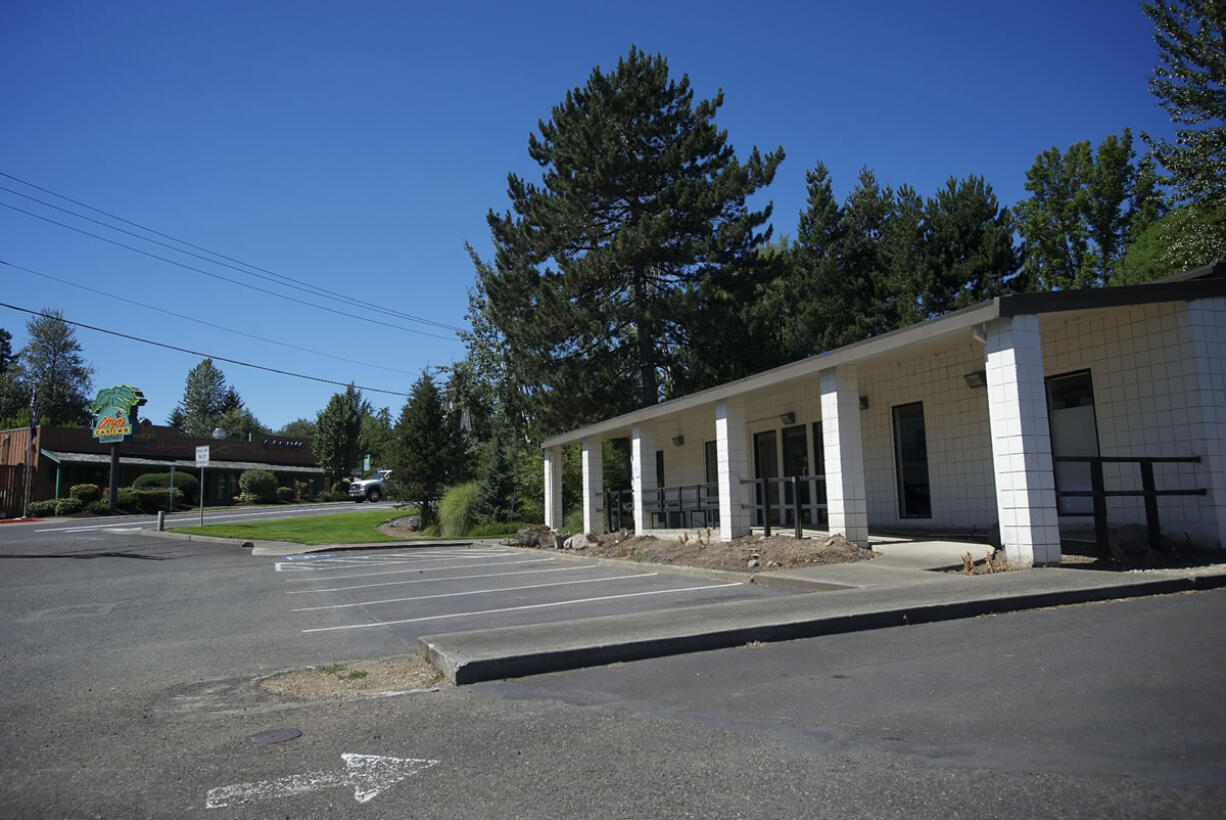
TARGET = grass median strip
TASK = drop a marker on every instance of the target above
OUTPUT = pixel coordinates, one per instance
(345, 528)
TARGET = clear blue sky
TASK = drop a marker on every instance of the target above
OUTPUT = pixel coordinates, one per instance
(357, 146)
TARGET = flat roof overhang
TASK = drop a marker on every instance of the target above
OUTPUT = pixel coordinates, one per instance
(1201, 283)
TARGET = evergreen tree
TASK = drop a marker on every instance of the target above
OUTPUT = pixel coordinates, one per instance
(1190, 85)
(602, 271)
(52, 366)
(206, 399)
(377, 437)
(337, 430)
(423, 458)
(7, 359)
(969, 255)
(497, 490)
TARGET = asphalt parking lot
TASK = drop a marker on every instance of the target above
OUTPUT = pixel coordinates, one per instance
(425, 590)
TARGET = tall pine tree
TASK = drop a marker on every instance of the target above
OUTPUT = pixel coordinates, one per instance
(603, 271)
(424, 454)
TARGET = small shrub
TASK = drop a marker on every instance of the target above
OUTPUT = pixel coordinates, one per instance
(573, 520)
(187, 483)
(85, 492)
(339, 492)
(68, 506)
(258, 485)
(285, 494)
(455, 511)
(431, 531)
(125, 499)
(99, 507)
(152, 499)
(42, 509)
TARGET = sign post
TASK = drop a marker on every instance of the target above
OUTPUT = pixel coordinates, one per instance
(202, 461)
(115, 420)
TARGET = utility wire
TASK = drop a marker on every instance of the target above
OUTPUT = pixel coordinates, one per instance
(284, 279)
(207, 355)
(202, 321)
(224, 278)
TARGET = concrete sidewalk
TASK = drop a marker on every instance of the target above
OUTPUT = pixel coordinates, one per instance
(898, 588)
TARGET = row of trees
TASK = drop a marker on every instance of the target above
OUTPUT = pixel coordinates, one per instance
(633, 270)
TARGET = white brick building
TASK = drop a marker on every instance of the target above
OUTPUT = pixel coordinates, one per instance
(951, 426)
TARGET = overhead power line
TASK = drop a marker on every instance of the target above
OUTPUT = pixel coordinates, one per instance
(283, 278)
(274, 278)
(202, 321)
(220, 277)
(208, 355)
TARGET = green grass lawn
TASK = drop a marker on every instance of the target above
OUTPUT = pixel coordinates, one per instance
(345, 528)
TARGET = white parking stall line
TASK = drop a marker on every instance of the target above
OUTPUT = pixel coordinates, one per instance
(519, 608)
(387, 572)
(477, 592)
(321, 563)
(318, 564)
(452, 578)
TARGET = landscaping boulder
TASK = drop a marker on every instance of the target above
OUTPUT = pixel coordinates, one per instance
(580, 541)
(530, 535)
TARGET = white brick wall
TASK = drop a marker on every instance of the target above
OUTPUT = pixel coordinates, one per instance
(1148, 364)
(959, 442)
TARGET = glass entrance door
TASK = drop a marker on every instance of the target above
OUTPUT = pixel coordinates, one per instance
(911, 461)
(766, 465)
(1074, 432)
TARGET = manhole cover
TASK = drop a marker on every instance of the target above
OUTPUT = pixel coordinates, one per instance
(273, 736)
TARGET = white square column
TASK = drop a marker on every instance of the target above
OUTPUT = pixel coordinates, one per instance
(1021, 442)
(732, 466)
(843, 453)
(1207, 328)
(553, 487)
(643, 474)
(593, 481)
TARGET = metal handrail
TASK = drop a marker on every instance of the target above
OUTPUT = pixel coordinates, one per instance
(793, 483)
(1148, 491)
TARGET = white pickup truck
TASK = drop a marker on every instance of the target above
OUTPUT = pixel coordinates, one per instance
(369, 489)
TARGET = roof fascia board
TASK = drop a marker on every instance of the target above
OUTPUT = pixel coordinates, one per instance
(1020, 304)
(849, 354)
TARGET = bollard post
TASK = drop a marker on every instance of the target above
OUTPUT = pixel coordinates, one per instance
(161, 520)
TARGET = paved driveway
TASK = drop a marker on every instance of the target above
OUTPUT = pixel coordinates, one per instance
(425, 590)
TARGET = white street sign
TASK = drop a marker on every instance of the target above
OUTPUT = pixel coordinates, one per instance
(368, 774)
(202, 456)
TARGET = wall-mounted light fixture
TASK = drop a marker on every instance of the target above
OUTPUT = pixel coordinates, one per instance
(678, 440)
(787, 418)
(977, 379)
(864, 402)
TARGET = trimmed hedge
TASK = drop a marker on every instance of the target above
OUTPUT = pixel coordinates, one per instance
(42, 509)
(85, 492)
(68, 506)
(99, 507)
(186, 483)
(285, 494)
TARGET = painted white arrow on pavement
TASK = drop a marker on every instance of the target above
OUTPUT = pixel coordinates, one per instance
(368, 774)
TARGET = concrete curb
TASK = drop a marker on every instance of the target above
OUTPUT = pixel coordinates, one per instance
(510, 652)
(765, 579)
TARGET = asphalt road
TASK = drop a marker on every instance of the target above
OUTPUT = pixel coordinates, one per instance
(128, 672)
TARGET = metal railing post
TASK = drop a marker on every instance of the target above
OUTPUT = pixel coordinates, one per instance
(1151, 505)
(1100, 508)
(796, 504)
